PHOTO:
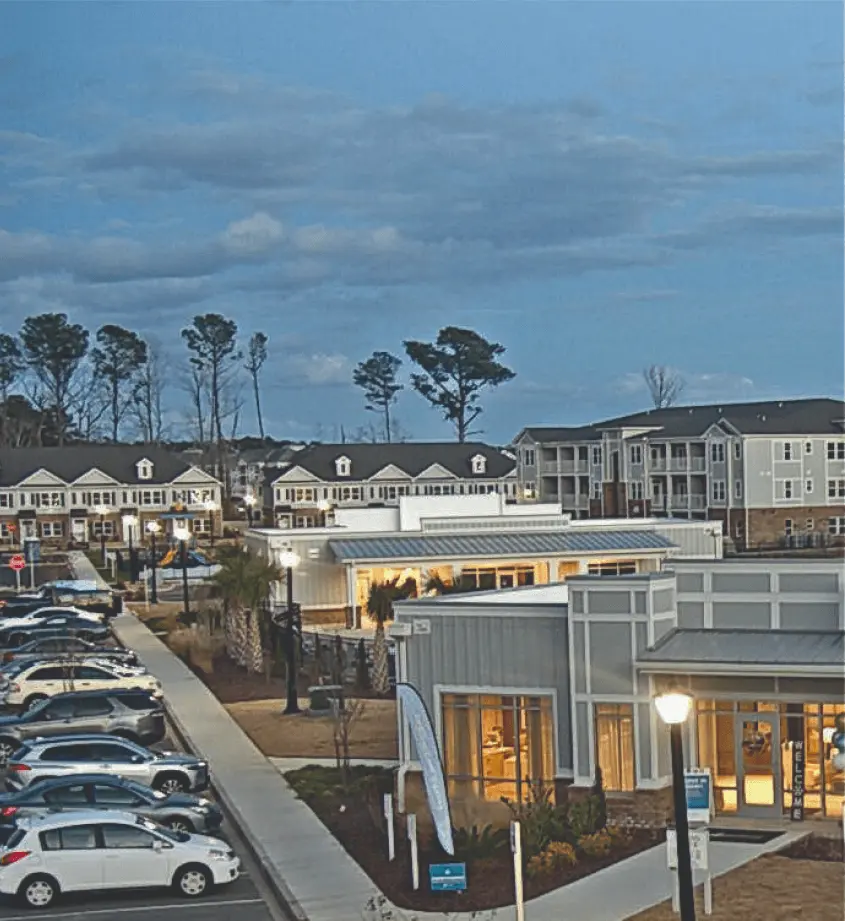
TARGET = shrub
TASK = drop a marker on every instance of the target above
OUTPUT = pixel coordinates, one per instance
(584, 817)
(601, 800)
(596, 845)
(541, 821)
(552, 859)
(474, 844)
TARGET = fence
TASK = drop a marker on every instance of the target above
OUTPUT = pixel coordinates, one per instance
(342, 659)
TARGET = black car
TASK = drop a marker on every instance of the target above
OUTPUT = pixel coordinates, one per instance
(56, 625)
(67, 645)
(179, 811)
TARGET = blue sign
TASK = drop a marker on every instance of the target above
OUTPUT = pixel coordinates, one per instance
(448, 877)
(697, 784)
(32, 549)
(428, 754)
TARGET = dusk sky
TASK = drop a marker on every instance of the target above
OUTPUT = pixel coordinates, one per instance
(597, 185)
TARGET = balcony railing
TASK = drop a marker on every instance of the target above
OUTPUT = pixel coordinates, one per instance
(698, 500)
(698, 464)
(657, 463)
(678, 464)
(565, 467)
(575, 500)
(658, 501)
(679, 500)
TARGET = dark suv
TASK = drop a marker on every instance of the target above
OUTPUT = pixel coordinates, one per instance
(51, 647)
(131, 714)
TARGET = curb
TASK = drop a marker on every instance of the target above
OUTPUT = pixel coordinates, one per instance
(277, 884)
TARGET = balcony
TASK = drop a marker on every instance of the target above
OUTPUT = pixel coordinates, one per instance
(698, 501)
(566, 467)
(679, 500)
(678, 464)
(658, 502)
(572, 500)
(657, 463)
(698, 464)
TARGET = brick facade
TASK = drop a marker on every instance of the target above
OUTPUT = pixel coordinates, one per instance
(643, 808)
(768, 525)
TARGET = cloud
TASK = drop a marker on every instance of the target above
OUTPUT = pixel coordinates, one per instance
(253, 235)
(319, 369)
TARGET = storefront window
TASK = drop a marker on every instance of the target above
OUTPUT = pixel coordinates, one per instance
(717, 750)
(615, 746)
(497, 747)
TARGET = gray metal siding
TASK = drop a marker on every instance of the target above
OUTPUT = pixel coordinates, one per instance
(579, 656)
(602, 602)
(478, 651)
(644, 740)
(577, 600)
(690, 614)
(690, 582)
(809, 582)
(582, 716)
(640, 602)
(809, 616)
(746, 615)
(821, 689)
(611, 665)
(733, 582)
(663, 601)
(662, 627)
(729, 686)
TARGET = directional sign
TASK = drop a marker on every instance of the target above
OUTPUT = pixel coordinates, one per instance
(17, 563)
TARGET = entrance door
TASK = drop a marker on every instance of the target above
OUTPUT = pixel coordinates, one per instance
(758, 764)
(79, 530)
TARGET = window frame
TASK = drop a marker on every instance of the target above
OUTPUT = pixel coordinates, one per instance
(628, 784)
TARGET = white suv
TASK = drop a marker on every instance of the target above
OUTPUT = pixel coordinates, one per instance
(43, 679)
(88, 851)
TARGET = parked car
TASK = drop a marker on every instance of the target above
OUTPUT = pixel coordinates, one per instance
(134, 715)
(9, 620)
(86, 851)
(179, 811)
(39, 680)
(79, 593)
(56, 625)
(50, 646)
(169, 772)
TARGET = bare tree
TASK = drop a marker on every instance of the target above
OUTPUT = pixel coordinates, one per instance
(256, 357)
(344, 715)
(196, 385)
(146, 404)
(664, 385)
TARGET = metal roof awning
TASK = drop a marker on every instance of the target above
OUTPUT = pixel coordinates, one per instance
(739, 652)
(515, 544)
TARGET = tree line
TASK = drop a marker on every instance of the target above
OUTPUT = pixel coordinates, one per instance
(59, 383)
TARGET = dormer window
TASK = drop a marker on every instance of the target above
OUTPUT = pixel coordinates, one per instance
(343, 466)
(479, 463)
(144, 469)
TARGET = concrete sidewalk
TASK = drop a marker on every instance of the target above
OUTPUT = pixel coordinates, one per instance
(308, 868)
(83, 568)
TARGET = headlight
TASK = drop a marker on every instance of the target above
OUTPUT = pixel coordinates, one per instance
(219, 855)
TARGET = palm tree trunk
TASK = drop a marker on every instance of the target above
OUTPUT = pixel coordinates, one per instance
(381, 671)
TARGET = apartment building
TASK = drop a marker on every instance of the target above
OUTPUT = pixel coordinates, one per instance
(772, 472)
(76, 493)
(323, 477)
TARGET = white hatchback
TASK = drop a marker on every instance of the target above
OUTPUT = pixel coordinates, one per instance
(36, 617)
(88, 851)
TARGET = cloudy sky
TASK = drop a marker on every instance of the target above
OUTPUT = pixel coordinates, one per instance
(598, 186)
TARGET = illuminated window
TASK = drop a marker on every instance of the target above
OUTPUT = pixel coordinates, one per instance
(615, 746)
(497, 747)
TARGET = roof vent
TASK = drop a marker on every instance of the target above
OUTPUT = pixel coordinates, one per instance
(780, 404)
(690, 410)
(762, 417)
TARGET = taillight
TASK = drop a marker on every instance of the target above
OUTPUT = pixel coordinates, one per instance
(19, 768)
(8, 811)
(13, 857)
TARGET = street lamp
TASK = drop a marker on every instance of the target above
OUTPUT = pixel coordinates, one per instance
(102, 510)
(325, 507)
(153, 527)
(289, 560)
(249, 502)
(211, 507)
(674, 709)
(129, 522)
(183, 535)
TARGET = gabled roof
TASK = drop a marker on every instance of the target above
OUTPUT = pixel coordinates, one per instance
(71, 462)
(817, 416)
(514, 544)
(412, 457)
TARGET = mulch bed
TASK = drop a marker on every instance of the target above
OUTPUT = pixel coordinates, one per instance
(816, 847)
(490, 881)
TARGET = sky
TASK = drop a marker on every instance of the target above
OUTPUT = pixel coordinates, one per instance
(597, 186)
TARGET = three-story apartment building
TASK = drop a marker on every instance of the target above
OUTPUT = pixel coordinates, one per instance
(773, 472)
(76, 493)
(326, 476)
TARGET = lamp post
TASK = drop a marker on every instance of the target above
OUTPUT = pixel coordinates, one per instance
(325, 507)
(211, 507)
(249, 502)
(153, 527)
(674, 708)
(101, 511)
(183, 535)
(289, 560)
(129, 522)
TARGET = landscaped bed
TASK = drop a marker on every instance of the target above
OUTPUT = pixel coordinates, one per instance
(797, 883)
(353, 815)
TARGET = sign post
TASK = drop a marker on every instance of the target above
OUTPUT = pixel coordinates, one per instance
(699, 841)
(516, 850)
(415, 855)
(17, 563)
(796, 813)
(391, 832)
(32, 554)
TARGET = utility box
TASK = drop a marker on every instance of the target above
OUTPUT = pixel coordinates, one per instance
(323, 697)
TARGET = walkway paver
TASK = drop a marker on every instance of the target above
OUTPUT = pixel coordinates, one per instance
(310, 870)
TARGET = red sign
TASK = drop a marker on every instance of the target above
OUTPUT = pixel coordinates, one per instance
(17, 563)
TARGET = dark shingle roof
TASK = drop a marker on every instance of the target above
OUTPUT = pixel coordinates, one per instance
(70, 463)
(822, 416)
(412, 457)
(526, 543)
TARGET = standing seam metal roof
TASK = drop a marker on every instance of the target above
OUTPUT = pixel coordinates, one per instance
(516, 544)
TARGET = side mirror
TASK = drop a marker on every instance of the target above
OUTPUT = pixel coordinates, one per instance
(158, 846)
(137, 759)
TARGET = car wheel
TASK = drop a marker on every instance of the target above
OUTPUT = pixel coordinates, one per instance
(32, 700)
(7, 748)
(177, 823)
(193, 881)
(38, 891)
(171, 783)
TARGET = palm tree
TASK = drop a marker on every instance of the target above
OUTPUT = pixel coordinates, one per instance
(380, 607)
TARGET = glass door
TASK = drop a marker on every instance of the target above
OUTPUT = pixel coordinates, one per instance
(758, 764)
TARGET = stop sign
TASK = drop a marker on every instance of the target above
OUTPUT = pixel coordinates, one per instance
(17, 562)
